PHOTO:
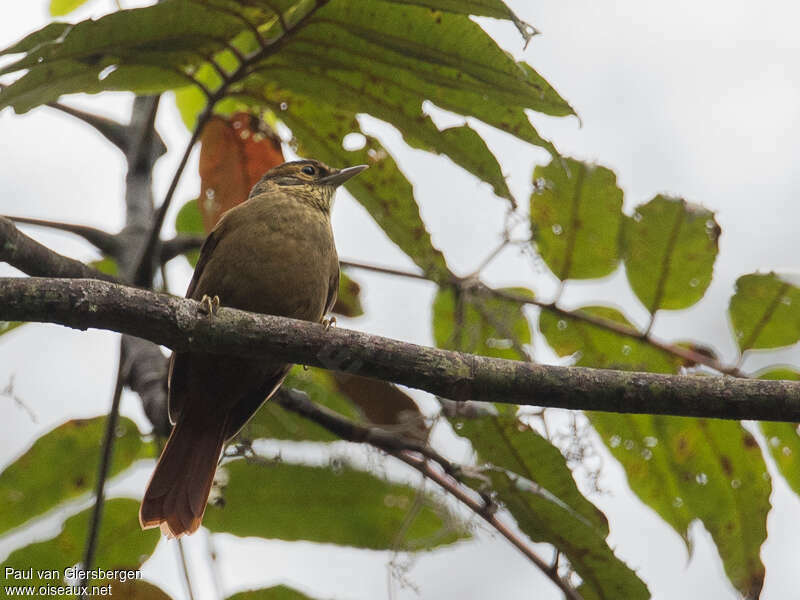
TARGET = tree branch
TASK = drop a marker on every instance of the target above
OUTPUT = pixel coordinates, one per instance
(31, 257)
(106, 242)
(116, 133)
(179, 324)
(102, 474)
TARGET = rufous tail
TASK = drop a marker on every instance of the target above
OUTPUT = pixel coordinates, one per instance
(176, 496)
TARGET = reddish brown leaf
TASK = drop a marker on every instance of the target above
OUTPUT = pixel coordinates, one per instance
(235, 153)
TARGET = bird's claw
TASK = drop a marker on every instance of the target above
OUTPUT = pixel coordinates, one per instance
(328, 323)
(209, 305)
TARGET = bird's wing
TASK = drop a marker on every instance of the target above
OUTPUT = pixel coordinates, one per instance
(179, 360)
(205, 253)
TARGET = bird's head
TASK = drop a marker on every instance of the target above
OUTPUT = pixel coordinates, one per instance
(309, 180)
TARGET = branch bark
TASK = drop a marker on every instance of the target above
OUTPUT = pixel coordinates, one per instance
(179, 324)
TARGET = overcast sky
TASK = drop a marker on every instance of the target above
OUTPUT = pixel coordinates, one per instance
(696, 99)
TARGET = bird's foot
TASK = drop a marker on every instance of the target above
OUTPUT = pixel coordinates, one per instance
(209, 305)
(328, 323)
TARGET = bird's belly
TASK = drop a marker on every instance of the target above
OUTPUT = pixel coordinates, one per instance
(272, 273)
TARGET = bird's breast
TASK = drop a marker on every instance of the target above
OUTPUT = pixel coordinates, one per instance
(277, 262)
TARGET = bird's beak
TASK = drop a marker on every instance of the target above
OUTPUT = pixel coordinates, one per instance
(339, 177)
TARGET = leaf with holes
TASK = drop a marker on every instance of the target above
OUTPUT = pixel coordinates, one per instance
(340, 505)
(61, 465)
(783, 439)
(481, 324)
(669, 249)
(576, 218)
(688, 469)
(121, 544)
(532, 480)
(765, 312)
(600, 347)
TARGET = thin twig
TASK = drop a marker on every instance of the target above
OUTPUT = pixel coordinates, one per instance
(107, 243)
(399, 447)
(116, 133)
(107, 450)
(185, 569)
(487, 515)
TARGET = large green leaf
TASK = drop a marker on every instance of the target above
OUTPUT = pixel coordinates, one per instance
(481, 324)
(121, 544)
(377, 56)
(272, 421)
(783, 439)
(576, 217)
(599, 347)
(532, 480)
(687, 469)
(278, 592)
(669, 250)
(62, 464)
(764, 312)
(336, 505)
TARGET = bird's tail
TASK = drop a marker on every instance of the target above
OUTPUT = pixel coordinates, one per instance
(176, 496)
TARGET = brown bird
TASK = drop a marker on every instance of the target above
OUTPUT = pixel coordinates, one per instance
(272, 254)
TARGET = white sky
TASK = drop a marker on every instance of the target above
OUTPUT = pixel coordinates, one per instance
(697, 99)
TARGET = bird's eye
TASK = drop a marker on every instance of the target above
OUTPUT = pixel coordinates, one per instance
(309, 170)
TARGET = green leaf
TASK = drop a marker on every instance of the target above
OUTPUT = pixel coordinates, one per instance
(121, 544)
(348, 300)
(277, 592)
(339, 506)
(382, 189)
(783, 439)
(106, 265)
(576, 217)
(687, 469)
(467, 149)
(61, 465)
(669, 249)
(599, 347)
(59, 8)
(532, 480)
(484, 325)
(764, 312)
(272, 421)
(189, 221)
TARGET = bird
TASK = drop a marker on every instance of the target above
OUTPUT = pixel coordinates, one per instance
(272, 254)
